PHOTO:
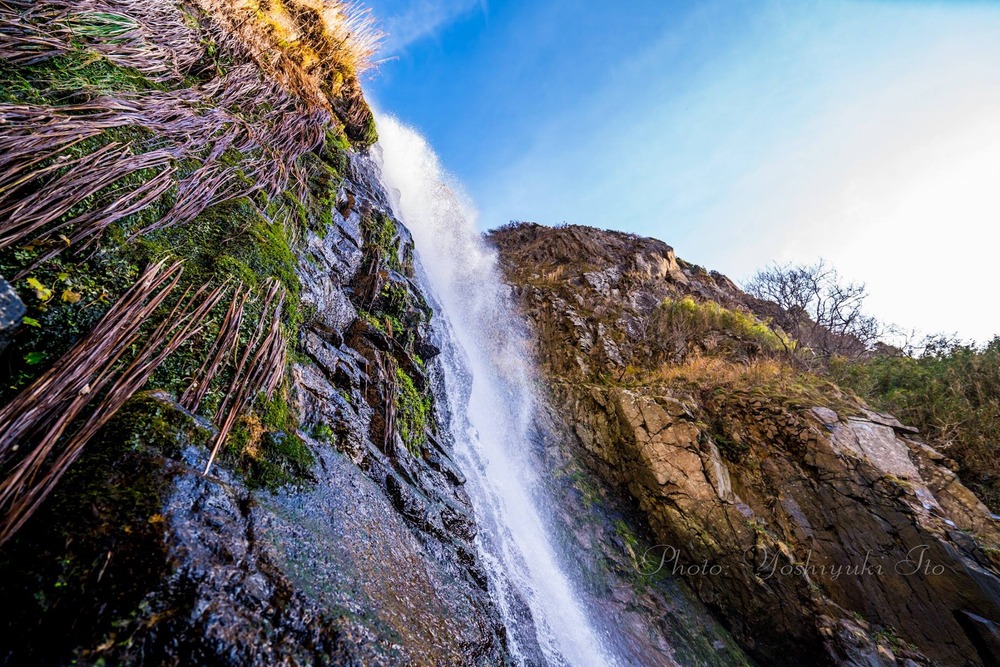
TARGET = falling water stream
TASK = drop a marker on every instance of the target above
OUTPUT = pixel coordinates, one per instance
(487, 376)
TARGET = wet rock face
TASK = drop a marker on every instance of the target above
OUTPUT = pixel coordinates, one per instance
(138, 558)
(11, 312)
(171, 567)
(837, 536)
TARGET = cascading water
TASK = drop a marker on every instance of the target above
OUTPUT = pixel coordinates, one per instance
(487, 375)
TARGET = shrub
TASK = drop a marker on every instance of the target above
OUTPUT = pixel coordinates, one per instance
(951, 392)
(822, 311)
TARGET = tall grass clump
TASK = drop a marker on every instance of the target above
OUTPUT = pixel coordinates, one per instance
(682, 326)
(316, 48)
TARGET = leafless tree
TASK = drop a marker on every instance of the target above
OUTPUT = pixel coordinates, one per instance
(824, 313)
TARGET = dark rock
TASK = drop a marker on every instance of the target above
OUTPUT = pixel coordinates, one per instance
(984, 634)
(367, 558)
(11, 312)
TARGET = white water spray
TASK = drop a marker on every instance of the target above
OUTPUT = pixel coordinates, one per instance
(487, 368)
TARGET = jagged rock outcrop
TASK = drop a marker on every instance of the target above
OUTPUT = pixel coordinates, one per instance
(820, 531)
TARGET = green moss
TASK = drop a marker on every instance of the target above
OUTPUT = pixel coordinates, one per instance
(626, 534)
(381, 239)
(265, 448)
(69, 77)
(231, 241)
(414, 413)
(150, 423)
(335, 148)
(395, 300)
(82, 291)
(369, 132)
(323, 182)
(581, 482)
(323, 433)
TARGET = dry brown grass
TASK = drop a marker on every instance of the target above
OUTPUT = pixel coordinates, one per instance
(44, 429)
(45, 415)
(45, 176)
(259, 369)
(149, 36)
(222, 349)
(72, 167)
(768, 378)
(316, 48)
(312, 50)
(718, 372)
(549, 277)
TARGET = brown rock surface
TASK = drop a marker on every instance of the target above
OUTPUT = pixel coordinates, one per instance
(836, 536)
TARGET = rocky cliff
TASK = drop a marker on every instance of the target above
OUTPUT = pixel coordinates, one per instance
(819, 531)
(222, 432)
(210, 268)
(338, 533)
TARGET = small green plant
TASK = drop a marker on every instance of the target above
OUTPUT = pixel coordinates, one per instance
(413, 412)
(266, 448)
(323, 432)
(382, 238)
(729, 448)
(629, 539)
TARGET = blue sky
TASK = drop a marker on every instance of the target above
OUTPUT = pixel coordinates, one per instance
(864, 132)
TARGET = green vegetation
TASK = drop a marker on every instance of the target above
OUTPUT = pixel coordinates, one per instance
(630, 541)
(323, 180)
(951, 392)
(151, 423)
(729, 448)
(580, 481)
(266, 448)
(382, 239)
(248, 239)
(323, 432)
(68, 78)
(414, 412)
(680, 325)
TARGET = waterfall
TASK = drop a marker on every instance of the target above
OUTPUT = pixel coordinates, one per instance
(487, 375)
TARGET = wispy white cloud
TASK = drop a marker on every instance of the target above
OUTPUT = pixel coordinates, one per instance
(422, 19)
